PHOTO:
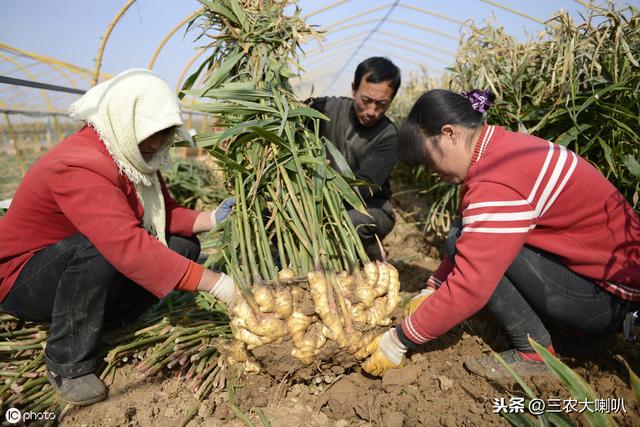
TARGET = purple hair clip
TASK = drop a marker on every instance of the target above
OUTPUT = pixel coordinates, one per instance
(479, 100)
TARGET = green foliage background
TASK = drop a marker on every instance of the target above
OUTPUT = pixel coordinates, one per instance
(576, 84)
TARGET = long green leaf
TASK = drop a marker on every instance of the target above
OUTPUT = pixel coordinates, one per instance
(307, 112)
(338, 184)
(188, 84)
(222, 73)
(242, 18)
(633, 166)
(341, 163)
(607, 155)
(515, 376)
(577, 387)
(244, 127)
(633, 378)
(217, 7)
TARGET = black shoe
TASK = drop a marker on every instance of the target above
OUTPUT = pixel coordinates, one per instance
(81, 391)
(489, 367)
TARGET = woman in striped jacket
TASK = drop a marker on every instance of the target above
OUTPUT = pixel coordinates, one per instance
(544, 238)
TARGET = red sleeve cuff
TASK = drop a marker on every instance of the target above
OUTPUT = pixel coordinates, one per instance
(191, 278)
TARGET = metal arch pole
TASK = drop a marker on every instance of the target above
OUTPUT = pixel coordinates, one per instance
(430, 12)
(386, 33)
(589, 5)
(410, 49)
(514, 11)
(19, 94)
(71, 81)
(23, 69)
(47, 59)
(105, 38)
(400, 57)
(418, 43)
(395, 21)
(45, 97)
(26, 66)
(357, 15)
(52, 66)
(312, 71)
(325, 8)
(169, 35)
(333, 55)
(335, 43)
(184, 72)
(315, 70)
(423, 28)
(378, 51)
(371, 33)
(329, 28)
(355, 24)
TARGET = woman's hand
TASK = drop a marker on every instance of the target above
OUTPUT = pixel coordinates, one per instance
(219, 285)
(222, 211)
(207, 220)
(387, 353)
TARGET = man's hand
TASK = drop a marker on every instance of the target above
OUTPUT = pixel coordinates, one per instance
(222, 211)
(415, 302)
(388, 353)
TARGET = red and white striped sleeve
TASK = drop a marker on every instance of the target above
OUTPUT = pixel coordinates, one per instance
(496, 221)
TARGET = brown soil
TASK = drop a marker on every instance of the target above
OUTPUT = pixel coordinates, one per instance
(432, 389)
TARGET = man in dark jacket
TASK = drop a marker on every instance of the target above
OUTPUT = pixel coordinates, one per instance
(368, 141)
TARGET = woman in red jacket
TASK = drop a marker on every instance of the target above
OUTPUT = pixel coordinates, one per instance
(544, 237)
(92, 234)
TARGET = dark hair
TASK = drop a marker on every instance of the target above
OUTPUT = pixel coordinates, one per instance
(429, 114)
(380, 70)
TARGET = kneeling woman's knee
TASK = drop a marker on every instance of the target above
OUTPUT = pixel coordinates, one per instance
(189, 247)
(88, 256)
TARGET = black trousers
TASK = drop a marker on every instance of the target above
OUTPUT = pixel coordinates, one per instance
(538, 287)
(71, 285)
(382, 223)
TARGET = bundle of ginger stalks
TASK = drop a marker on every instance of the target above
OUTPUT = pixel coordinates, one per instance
(304, 278)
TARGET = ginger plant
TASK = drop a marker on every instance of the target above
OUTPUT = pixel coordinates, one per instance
(302, 271)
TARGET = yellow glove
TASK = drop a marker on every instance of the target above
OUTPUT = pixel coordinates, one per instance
(388, 354)
(415, 302)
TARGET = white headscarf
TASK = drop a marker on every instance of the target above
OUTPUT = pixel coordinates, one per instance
(124, 111)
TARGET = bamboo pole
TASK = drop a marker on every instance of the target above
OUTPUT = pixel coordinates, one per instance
(105, 38)
(169, 35)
